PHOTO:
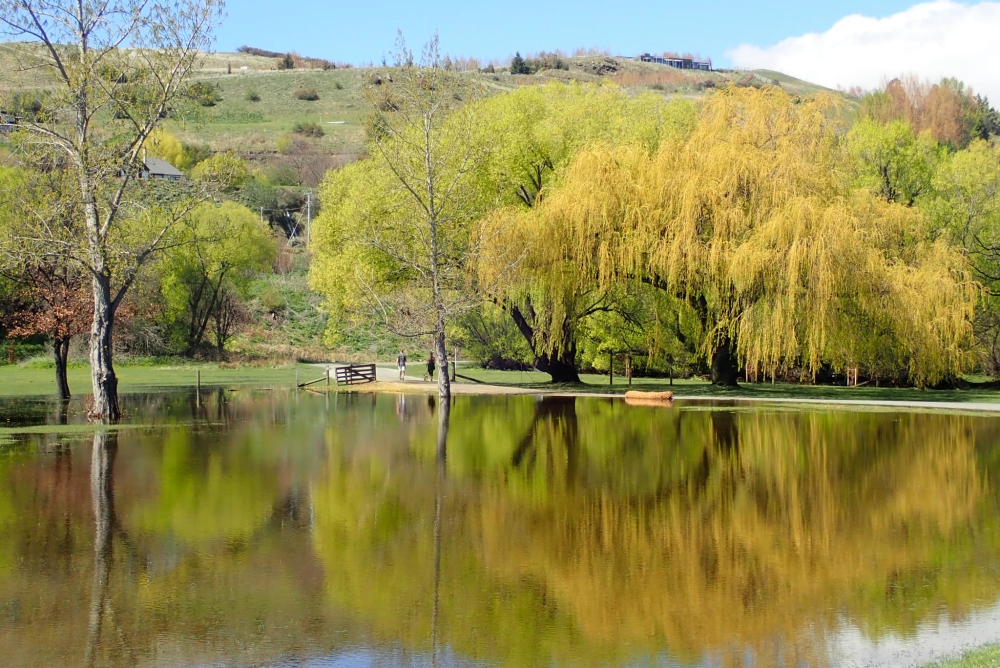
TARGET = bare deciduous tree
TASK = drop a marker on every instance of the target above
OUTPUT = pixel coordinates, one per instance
(400, 231)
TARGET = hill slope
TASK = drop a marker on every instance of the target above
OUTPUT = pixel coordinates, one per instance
(257, 109)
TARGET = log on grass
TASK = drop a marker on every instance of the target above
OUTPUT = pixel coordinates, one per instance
(649, 398)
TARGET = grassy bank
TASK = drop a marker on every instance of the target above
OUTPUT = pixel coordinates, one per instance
(33, 380)
(987, 657)
(699, 388)
(27, 380)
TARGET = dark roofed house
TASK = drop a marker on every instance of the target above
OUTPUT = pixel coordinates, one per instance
(679, 63)
(154, 168)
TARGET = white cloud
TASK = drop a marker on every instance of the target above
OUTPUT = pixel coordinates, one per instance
(932, 40)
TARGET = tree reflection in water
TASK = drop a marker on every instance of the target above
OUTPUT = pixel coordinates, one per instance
(103, 495)
(508, 531)
(441, 459)
(624, 531)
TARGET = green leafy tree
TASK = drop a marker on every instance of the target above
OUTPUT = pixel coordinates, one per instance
(226, 170)
(966, 207)
(395, 241)
(987, 119)
(52, 286)
(220, 250)
(891, 160)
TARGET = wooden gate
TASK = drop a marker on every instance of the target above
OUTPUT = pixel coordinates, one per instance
(355, 374)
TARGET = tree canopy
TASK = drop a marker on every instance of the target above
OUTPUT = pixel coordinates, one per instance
(752, 221)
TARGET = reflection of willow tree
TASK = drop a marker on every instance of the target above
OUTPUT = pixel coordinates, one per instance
(622, 531)
(786, 522)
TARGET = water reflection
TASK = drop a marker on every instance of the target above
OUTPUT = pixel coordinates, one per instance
(267, 529)
(103, 494)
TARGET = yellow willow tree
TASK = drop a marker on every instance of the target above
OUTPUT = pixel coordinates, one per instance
(752, 220)
(531, 135)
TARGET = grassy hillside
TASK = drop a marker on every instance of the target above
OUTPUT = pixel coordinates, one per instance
(257, 127)
(258, 110)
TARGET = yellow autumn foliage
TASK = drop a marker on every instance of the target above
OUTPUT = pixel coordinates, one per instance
(752, 218)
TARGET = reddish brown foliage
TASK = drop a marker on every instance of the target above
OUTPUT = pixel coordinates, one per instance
(57, 303)
(945, 109)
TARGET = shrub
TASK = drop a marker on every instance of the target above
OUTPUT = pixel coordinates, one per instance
(285, 144)
(287, 62)
(204, 93)
(308, 129)
(30, 106)
(192, 154)
(260, 52)
(226, 169)
(282, 175)
(253, 96)
(338, 85)
(307, 94)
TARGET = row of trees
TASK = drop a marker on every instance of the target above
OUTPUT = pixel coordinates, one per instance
(81, 224)
(755, 231)
(191, 293)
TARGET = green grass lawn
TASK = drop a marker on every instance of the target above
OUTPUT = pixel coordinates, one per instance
(699, 388)
(30, 380)
(987, 657)
(34, 380)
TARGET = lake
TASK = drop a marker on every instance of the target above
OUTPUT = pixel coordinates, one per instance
(259, 528)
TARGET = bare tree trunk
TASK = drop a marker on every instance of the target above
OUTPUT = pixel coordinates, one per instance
(102, 370)
(444, 381)
(103, 498)
(60, 349)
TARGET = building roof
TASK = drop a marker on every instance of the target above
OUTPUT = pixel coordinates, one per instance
(162, 168)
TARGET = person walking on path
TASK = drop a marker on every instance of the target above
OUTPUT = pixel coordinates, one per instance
(401, 363)
(430, 367)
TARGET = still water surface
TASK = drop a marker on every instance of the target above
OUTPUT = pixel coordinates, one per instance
(279, 529)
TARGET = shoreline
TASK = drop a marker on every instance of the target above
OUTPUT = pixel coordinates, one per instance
(468, 389)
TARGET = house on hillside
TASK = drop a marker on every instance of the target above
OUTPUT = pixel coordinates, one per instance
(154, 168)
(679, 63)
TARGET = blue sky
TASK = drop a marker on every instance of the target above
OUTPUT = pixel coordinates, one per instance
(361, 32)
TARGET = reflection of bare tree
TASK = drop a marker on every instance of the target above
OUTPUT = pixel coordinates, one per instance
(103, 498)
(444, 422)
(62, 414)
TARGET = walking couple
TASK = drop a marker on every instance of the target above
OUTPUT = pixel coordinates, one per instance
(401, 365)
